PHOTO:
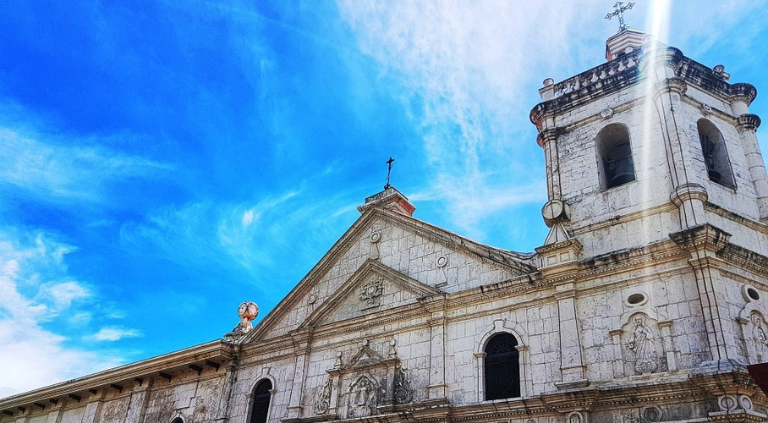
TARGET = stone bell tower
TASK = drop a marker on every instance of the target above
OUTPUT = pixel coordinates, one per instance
(658, 209)
(647, 144)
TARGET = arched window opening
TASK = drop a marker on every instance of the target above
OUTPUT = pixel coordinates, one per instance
(715, 154)
(178, 420)
(260, 401)
(615, 156)
(502, 367)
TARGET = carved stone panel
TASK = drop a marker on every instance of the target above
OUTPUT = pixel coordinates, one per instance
(403, 393)
(642, 345)
(371, 292)
(363, 397)
(323, 398)
(373, 380)
(756, 338)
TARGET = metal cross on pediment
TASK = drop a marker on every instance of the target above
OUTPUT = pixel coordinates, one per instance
(389, 171)
(620, 9)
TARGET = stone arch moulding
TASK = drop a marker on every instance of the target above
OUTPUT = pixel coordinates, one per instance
(516, 330)
(645, 339)
(265, 374)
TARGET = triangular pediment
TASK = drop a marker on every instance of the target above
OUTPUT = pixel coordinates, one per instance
(365, 357)
(372, 288)
(411, 258)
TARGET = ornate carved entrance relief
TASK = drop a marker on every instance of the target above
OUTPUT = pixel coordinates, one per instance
(370, 383)
(363, 397)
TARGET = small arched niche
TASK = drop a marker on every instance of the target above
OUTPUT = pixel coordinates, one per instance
(715, 154)
(614, 151)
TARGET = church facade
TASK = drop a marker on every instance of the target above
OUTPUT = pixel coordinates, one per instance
(646, 302)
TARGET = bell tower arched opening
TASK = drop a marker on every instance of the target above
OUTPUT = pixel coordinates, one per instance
(614, 151)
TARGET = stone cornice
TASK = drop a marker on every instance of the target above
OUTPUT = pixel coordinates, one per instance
(585, 87)
(734, 217)
(744, 258)
(705, 78)
(625, 71)
(617, 261)
(748, 122)
(519, 262)
(701, 238)
(212, 352)
(624, 218)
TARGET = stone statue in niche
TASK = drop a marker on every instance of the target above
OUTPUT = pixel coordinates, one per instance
(323, 398)
(758, 335)
(403, 393)
(363, 398)
(643, 344)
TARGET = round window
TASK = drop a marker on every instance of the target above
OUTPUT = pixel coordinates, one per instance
(636, 299)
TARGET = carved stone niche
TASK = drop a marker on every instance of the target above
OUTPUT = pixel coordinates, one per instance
(754, 330)
(370, 383)
(644, 344)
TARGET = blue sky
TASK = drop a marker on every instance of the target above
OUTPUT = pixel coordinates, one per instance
(162, 161)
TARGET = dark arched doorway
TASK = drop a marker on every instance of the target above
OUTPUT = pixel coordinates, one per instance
(502, 367)
(260, 401)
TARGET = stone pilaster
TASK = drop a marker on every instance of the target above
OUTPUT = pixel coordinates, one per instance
(137, 405)
(571, 360)
(437, 327)
(92, 412)
(747, 125)
(301, 342)
(703, 242)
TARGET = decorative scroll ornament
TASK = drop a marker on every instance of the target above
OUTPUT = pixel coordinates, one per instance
(323, 398)
(370, 291)
(643, 344)
(403, 393)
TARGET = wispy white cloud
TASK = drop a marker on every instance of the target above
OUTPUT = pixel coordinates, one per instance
(113, 334)
(248, 240)
(39, 160)
(36, 288)
(470, 72)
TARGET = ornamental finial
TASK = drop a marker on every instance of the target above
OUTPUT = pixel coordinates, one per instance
(389, 171)
(619, 11)
(247, 311)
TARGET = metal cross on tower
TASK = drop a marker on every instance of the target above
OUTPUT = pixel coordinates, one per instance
(389, 171)
(620, 8)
